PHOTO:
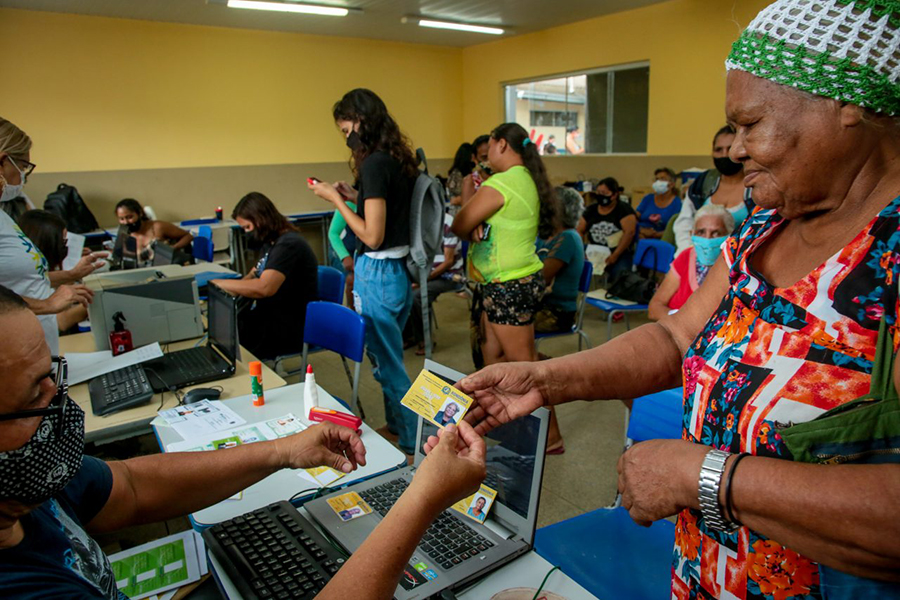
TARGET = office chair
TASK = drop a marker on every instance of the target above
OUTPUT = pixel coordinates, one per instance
(655, 255)
(205, 231)
(601, 548)
(331, 285)
(584, 286)
(202, 248)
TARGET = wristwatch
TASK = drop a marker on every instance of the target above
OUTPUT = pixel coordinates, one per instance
(710, 479)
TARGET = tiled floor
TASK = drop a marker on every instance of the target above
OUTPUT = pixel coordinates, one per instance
(582, 479)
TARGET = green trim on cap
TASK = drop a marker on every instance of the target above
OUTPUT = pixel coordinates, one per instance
(820, 74)
(879, 8)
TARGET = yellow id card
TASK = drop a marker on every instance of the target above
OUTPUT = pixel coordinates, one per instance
(349, 506)
(436, 401)
(477, 505)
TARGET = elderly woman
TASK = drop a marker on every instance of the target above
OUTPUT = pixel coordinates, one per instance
(784, 329)
(712, 225)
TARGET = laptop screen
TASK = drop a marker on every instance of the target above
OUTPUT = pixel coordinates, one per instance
(511, 453)
(222, 320)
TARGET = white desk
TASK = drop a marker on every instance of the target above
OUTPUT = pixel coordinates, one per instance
(381, 456)
(526, 571)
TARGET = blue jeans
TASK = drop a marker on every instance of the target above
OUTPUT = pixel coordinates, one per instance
(382, 295)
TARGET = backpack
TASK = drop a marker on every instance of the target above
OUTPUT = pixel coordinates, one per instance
(426, 233)
(67, 204)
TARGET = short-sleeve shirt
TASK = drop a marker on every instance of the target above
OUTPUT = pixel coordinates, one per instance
(655, 217)
(567, 247)
(509, 251)
(57, 558)
(23, 269)
(283, 315)
(381, 176)
(450, 241)
(769, 357)
(685, 264)
(606, 230)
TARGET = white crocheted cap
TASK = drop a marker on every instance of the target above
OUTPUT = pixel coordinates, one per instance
(848, 50)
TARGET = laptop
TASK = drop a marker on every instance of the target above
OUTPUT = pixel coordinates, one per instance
(215, 360)
(457, 550)
(164, 254)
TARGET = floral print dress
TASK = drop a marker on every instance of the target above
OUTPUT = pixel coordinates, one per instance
(769, 357)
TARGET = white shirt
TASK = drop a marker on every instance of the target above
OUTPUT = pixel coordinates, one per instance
(23, 269)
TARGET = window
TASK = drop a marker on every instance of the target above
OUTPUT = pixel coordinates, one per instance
(603, 111)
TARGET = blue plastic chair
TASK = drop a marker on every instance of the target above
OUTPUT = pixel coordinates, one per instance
(600, 548)
(331, 285)
(584, 286)
(202, 249)
(330, 326)
(650, 254)
(205, 231)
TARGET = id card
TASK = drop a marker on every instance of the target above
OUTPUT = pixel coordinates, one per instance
(436, 401)
(349, 506)
(477, 505)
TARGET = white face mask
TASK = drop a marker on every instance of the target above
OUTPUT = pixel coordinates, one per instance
(660, 187)
(10, 191)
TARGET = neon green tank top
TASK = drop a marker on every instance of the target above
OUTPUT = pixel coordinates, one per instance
(509, 252)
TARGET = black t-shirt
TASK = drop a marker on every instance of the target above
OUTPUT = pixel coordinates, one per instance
(601, 227)
(381, 176)
(274, 325)
(57, 558)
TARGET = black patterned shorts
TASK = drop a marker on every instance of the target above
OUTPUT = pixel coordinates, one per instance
(514, 302)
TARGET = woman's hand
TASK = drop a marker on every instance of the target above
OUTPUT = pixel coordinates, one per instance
(325, 444)
(87, 264)
(659, 478)
(347, 263)
(453, 469)
(347, 191)
(67, 295)
(503, 393)
(325, 191)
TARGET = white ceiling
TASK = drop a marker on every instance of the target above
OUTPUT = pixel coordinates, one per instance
(380, 19)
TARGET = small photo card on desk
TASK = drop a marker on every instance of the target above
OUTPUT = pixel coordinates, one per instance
(436, 401)
(349, 506)
(478, 505)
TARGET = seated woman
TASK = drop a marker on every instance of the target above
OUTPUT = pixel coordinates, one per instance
(563, 256)
(712, 226)
(283, 282)
(610, 224)
(147, 232)
(656, 209)
(48, 233)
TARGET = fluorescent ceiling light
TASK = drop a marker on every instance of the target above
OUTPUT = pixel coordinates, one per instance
(309, 9)
(459, 26)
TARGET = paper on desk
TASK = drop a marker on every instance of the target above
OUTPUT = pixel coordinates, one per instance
(84, 366)
(159, 566)
(198, 420)
(75, 244)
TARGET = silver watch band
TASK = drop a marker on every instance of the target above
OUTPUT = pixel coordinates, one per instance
(708, 492)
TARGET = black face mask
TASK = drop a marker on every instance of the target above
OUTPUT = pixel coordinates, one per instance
(134, 226)
(726, 166)
(354, 142)
(604, 200)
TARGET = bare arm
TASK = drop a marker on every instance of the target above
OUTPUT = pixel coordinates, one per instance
(483, 205)
(70, 317)
(449, 259)
(162, 486)
(254, 287)
(369, 230)
(171, 234)
(552, 267)
(64, 297)
(659, 304)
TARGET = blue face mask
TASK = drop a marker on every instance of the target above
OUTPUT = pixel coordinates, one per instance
(707, 249)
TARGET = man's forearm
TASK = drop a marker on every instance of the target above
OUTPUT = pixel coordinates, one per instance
(640, 362)
(380, 560)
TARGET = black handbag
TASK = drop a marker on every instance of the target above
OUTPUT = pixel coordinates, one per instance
(631, 286)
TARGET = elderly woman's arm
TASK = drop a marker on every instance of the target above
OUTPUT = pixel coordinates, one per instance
(642, 361)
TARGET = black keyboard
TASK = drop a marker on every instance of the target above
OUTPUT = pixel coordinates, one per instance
(273, 552)
(119, 389)
(449, 542)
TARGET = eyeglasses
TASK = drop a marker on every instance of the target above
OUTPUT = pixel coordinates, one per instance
(59, 402)
(23, 165)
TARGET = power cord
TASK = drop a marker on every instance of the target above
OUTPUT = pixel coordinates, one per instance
(544, 582)
(179, 397)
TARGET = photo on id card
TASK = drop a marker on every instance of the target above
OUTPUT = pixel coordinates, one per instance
(436, 401)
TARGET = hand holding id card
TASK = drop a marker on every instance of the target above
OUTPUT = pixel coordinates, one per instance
(436, 401)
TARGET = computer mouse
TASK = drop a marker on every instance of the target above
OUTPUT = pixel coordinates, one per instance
(198, 394)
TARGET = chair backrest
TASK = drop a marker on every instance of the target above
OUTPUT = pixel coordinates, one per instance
(202, 249)
(331, 285)
(584, 285)
(656, 417)
(205, 231)
(336, 328)
(654, 254)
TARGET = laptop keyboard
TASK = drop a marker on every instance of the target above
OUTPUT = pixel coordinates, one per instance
(192, 360)
(448, 541)
(273, 552)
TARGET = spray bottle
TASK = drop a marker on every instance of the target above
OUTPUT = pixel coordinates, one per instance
(120, 338)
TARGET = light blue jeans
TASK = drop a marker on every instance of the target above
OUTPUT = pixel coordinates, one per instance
(383, 296)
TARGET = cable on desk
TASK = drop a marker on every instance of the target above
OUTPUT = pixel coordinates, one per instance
(544, 582)
(162, 396)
